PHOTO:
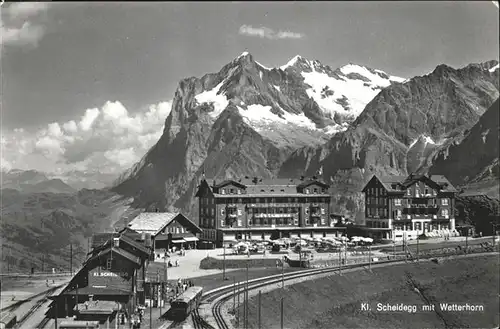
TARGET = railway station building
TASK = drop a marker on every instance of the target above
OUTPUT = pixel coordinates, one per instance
(259, 209)
(404, 207)
(110, 281)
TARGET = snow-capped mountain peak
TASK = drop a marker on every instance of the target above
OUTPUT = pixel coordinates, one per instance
(294, 61)
(304, 94)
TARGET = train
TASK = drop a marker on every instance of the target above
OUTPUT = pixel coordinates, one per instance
(8, 320)
(78, 324)
(183, 305)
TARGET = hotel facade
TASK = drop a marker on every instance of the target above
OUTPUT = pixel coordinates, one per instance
(399, 207)
(258, 209)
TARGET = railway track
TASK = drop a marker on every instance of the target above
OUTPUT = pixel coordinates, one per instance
(43, 323)
(40, 298)
(17, 304)
(219, 296)
(32, 310)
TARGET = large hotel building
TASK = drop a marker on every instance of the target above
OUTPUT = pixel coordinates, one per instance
(398, 207)
(257, 209)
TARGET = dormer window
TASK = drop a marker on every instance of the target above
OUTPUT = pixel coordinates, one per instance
(408, 192)
(239, 191)
(262, 190)
(307, 191)
(223, 191)
(315, 191)
(426, 191)
(232, 191)
(272, 190)
(282, 190)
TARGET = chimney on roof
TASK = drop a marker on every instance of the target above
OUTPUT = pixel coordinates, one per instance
(116, 242)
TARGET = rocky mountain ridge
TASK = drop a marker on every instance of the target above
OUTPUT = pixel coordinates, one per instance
(247, 118)
(251, 120)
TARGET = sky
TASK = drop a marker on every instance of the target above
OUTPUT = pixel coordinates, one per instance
(88, 86)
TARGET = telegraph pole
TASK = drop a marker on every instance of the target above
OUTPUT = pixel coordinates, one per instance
(57, 313)
(467, 240)
(151, 305)
(282, 318)
(282, 274)
(417, 249)
(246, 303)
(71, 258)
(224, 263)
(370, 258)
(340, 262)
(238, 318)
(260, 301)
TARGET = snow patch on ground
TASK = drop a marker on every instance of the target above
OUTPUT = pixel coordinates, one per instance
(277, 88)
(260, 117)
(494, 68)
(358, 92)
(261, 74)
(426, 139)
(259, 114)
(212, 96)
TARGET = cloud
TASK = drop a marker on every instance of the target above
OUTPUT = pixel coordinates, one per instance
(107, 140)
(23, 23)
(268, 33)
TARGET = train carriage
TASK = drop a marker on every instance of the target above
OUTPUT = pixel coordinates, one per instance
(8, 320)
(189, 301)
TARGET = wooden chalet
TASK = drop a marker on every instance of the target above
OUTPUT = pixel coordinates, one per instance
(166, 230)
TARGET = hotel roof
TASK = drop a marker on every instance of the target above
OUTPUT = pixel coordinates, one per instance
(406, 181)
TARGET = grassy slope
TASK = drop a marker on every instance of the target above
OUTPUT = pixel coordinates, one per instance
(335, 302)
(36, 226)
